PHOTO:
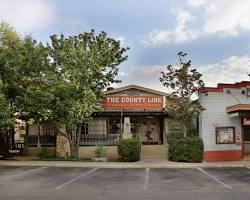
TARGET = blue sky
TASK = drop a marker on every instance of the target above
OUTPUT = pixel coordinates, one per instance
(214, 33)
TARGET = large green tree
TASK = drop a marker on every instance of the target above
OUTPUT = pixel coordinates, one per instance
(60, 82)
(184, 83)
(84, 65)
(24, 75)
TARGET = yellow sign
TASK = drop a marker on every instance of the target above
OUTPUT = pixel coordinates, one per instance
(22, 132)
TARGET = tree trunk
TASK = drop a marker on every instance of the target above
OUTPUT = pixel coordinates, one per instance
(72, 150)
(74, 145)
(185, 131)
(39, 134)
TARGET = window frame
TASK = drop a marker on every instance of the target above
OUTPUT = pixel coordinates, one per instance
(223, 127)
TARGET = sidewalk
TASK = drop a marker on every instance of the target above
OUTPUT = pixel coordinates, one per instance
(141, 164)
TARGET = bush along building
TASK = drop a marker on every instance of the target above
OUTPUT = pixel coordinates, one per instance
(130, 111)
(224, 125)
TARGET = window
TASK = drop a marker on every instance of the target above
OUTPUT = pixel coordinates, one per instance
(248, 92)
(174, 127)
(47, 128)
(225, 135)
(96, 126)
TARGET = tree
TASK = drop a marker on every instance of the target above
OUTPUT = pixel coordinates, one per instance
(6, 114)
(84, 65)
(184, 83)
(24, 70)
(60, 82)
(9, 42)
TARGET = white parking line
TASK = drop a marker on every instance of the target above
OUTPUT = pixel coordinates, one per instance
(145, 185)
(74, 179)
(22, 173)
(214, 178)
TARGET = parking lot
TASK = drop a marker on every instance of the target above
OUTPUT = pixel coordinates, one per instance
(35, 183)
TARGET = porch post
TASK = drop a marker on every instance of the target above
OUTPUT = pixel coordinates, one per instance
(126, 134)
(121, 128)
(38, 135)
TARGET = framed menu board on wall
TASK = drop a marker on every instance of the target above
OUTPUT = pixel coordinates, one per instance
(225, 135)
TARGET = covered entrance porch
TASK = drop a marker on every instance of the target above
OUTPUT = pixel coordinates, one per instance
(147, 126)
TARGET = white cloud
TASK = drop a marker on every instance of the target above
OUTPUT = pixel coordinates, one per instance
(147, 76)
(230, 70)
(196, 3)
(221, 18)
(121, 39)
(28, 15)
(181, 33)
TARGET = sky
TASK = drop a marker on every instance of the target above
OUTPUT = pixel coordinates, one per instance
(214, 33)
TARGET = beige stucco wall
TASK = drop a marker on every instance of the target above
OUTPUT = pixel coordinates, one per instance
(84, 152)
(89, 152)
(34, 151)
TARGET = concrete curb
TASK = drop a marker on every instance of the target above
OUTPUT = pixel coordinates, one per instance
(121, 164)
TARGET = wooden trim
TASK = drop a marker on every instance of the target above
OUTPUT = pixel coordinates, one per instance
(217, 132)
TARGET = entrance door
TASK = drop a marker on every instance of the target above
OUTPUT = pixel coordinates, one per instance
(149, 131)
(247, 140)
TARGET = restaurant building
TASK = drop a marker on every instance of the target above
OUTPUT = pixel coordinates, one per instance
(125, 112)
(224, 124)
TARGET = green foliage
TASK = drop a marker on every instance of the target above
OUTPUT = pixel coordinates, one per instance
(129, 150)
(60, 82)
(188, 149)
(100, 151)
(174, 126)
(46, 153)
(192, 132)
(84, 65)
(184, 83)
(6, 114)
(24, 69)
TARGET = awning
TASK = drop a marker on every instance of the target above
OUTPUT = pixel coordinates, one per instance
(238, 108)
(130, 113)
(242, 110)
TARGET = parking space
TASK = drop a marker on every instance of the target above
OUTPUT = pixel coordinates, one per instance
(24, 183)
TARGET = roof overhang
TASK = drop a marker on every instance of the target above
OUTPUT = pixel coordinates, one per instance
(135, 87)
(131, 113)
(239, 110)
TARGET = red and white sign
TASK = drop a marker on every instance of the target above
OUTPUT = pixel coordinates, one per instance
(133, 103)
(246, 121)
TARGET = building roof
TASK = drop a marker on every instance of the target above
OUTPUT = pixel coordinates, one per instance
(115, 90)
(221, 86)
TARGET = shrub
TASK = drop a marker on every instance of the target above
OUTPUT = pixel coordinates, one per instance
(129, 150)
(189, 149)
(45, 153)
(100, 151)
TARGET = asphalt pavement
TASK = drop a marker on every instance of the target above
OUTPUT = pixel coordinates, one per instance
(76, 183)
